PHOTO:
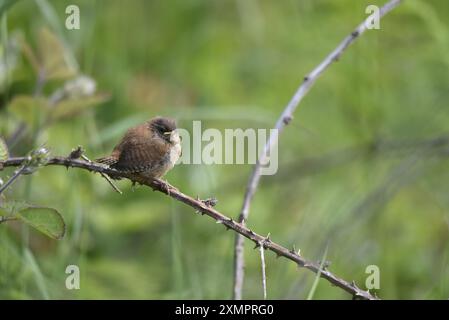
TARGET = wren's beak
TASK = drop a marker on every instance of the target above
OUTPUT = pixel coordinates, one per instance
(168, 132)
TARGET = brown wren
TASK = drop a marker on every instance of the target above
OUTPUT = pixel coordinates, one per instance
(150, 149)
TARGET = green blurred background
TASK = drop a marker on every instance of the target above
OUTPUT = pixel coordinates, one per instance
(362, 168)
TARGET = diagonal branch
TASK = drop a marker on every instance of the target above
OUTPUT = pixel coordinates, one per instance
(14, 177)
(204, 207)
(284, 119)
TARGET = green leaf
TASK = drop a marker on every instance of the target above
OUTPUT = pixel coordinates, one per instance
(26, 107)
(4, 155)
(52, 17)
(52, 56)
(72, 107)
(46, 220)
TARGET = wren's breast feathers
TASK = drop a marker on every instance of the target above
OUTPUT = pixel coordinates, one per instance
(150, 149)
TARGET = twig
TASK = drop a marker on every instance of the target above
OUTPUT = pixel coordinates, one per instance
(40, 82)
(285, 119)
(264, 278)
(204, 208)
(109, 180)
(16, 174)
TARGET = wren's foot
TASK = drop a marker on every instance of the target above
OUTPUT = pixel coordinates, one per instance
(166, 186)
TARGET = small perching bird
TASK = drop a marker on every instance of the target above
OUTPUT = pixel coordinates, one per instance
(150, 149)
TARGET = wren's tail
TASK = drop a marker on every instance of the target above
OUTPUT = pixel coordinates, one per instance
(110, 160)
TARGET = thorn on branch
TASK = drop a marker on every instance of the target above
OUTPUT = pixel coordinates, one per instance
(326, 264)
(210, 202)
(265, 241)
(357, 295)
(267, 238)
(293, 250)
(354, 285)
(287, 119)
(306, 265)
(76, 153)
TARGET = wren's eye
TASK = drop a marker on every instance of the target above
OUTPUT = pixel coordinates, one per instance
(163, 126)
(161, 129)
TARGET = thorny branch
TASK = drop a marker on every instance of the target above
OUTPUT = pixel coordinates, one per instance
(205, 207)
(285, 118)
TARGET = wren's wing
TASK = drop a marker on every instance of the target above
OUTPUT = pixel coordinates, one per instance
(138, 155)
(110, 160)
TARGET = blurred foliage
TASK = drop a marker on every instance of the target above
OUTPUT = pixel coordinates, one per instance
(230, 64)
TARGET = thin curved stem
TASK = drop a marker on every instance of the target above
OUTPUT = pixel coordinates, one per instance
(284, 120)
